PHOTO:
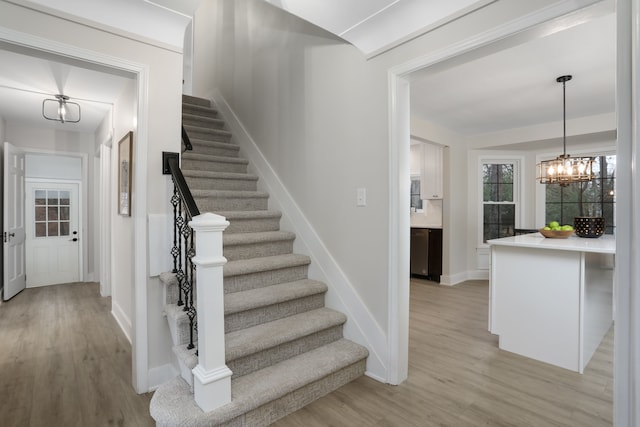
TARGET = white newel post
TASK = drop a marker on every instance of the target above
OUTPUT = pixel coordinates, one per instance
(212, 377)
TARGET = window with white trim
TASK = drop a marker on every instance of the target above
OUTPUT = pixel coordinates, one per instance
(499, 198)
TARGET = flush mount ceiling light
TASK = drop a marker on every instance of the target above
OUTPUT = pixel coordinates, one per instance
(565, 169)
(61, 110)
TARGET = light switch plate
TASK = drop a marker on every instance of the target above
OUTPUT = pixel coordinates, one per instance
(361, 197)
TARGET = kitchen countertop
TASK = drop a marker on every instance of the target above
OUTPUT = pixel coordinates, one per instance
(604, 244)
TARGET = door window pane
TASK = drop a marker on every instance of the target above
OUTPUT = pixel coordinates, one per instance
(51, 213)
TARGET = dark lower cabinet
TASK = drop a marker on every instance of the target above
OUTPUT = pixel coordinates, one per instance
(426, 253)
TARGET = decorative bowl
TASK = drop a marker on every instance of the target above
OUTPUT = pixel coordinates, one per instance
(589, 226)
(556, 234)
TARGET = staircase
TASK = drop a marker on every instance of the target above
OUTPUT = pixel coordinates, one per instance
(284, 347)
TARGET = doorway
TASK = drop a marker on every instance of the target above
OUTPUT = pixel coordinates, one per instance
(401, 77)
(52, 224)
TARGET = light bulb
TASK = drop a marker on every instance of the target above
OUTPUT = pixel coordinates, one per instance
(62, 112)
(581, 168)
(550, 171)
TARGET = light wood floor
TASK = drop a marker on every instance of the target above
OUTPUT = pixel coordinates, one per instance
(459, 377)
(65, 362)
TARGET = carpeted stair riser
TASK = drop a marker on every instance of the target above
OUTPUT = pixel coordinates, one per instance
(202, 121)
(249, 308)
(249, 222)
(251, 363)
(244, 275)
(187, 360)
(230, 200)
(194, 100)
(257, 245)
(178, 324)
(200, 110)
(258, 280)
(227, 181)
(170, 294)
(215, 148)
(257, 316)
(213, 163)
(208, 134)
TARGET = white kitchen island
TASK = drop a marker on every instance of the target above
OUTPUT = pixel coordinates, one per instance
(552, 299)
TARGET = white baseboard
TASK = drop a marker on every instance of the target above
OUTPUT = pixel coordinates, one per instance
(453, 279)
(123, 321)
(479, 275)
(160, 375)
(361, 326)
(456, 279)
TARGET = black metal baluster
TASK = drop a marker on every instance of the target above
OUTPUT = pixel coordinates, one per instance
(184, 209)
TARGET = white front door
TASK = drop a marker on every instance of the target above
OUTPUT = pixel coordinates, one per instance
(13, 222)
(52, 233)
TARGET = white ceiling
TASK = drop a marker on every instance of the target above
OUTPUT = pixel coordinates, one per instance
(26, 80)
(511, 88)
(374, 26)
(517, 87)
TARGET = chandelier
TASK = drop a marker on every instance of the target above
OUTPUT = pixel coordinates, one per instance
(61, 110)
(565, 169)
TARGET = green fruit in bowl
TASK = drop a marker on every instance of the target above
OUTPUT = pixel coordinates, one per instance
(547, 228)
(554, 224)
(567, 228)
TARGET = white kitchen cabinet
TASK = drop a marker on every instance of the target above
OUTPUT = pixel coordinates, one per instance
(431, 175)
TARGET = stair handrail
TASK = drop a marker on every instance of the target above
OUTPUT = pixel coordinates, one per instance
(183, 188)
(186, 140)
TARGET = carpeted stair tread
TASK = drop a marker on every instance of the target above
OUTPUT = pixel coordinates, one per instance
(208, 158)
(213, 132)
(257, 265)
(229, 193)
(214, 174)
(195, 100)
(197, 143)
(259, 237)
(201, 110)
(219, 175)
(237, 302)
(268, 335)
(204, 121)
(245, 215)
(173, 404)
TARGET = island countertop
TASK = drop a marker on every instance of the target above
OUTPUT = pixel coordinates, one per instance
(604, 244)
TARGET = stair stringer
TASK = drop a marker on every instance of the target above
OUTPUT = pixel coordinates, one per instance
(361, 328)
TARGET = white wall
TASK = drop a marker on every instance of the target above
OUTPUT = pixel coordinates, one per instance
(156, 131)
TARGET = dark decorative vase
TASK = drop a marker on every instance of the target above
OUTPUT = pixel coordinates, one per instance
(589, 226)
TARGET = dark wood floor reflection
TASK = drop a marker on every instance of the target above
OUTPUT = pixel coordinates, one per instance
(65, 362)
(459, 377)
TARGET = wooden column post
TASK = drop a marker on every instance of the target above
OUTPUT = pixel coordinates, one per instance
(212, 377)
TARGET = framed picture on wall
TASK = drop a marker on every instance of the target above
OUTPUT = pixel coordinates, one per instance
(125, 156)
